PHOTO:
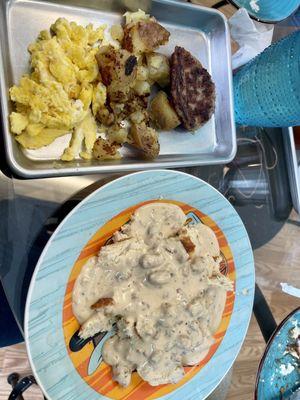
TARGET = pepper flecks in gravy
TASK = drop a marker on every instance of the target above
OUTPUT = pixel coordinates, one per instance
(159, 282)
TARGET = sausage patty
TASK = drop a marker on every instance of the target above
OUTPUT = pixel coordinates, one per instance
(192, 89)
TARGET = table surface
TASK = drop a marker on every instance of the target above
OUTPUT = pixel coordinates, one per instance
(31, 209)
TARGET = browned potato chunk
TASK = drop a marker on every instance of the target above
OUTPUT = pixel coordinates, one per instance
(117, 134)
(159, 68)
(145, 139)
(142, 88)
(139, 116)
(118, 70)
(136, 103)
(144, 36)
(105, 117)
(162, 113)
(106, 150)
(117, 32)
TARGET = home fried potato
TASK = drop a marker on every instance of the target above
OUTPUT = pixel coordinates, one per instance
(142, 88)
(118, 70)
(106, 150)
(117, 32)
(158, 68)
(144, 36)
(118, 133)
(145, 139)
(162, 113)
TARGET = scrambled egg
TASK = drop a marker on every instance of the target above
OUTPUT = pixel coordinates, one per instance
(55, 98)
(98, 97)
(86, 130)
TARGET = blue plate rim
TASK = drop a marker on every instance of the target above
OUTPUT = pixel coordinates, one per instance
(255, 16)
(268, 346)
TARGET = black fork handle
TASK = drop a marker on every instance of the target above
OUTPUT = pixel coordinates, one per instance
(20, 386)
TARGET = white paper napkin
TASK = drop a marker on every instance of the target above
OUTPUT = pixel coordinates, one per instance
(252, 37)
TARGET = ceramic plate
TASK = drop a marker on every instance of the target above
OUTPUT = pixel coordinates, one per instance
(279, 372)
(69, 368)
(268, 10)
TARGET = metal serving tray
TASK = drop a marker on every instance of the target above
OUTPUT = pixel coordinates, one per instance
(201, 30)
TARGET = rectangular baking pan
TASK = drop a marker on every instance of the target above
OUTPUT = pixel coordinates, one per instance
(201, 30)
(292, 166)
